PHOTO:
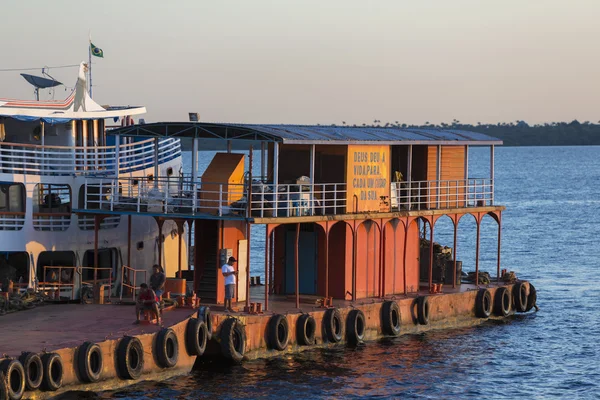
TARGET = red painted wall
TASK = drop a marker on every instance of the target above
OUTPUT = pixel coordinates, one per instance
(412, 258)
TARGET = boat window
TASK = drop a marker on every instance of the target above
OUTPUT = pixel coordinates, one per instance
(12, 198)
(14, 266)
(48, 259)
(51, 199)
(107, 258)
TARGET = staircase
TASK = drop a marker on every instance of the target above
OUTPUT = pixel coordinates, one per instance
(207, 252)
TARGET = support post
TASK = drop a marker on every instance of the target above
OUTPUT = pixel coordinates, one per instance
(267, 259)
(160, 223)
(327, 259)
(248, 232)
(297, 265)
(492, 174)
(499, 240)
(466, 176)
(96, 229)
(381, 259)
(354, 263)
(406, 227)
(229, 146)
(430, 255)
(438, 176)
(180, 232)
(155, 163)
(194, 160)
(263, 161)
(128, 242)
(477, 253)
(312, 179)
(275, 177)
(454, 254)
(409, 173)
(117, 155)
(189, 248)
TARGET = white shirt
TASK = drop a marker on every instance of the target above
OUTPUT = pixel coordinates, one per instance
(229, 279)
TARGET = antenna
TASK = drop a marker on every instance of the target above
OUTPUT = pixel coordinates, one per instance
(40, 82)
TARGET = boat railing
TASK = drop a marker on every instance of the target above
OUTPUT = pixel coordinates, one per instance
(11, 220)
(91, 276)
(444, 194)
(51, 221)
(131, 280)
(58, 278)
(86, 222)
(29, 159)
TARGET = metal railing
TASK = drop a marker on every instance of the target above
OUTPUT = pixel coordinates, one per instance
(51, 221)
(95, 279)
(86, 223)
(131, 282)
(60, 282)
(426, 195)
(12, 221)
(18, 158)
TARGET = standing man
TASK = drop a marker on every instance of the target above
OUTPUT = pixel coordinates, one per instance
(229, 273)
(157, 280)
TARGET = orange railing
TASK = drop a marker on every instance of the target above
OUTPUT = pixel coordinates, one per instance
(132, 284)
(67, 281)
(96, 280)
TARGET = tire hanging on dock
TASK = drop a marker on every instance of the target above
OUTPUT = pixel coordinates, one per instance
(306, 328)
(334, 327)
(356, 327)
(15, 378)
(520, 296)
(483, 303)
(423, 310)
(278, 332)
(166, 348)
(233, 339)
(196, 337)
(3, 388)
(390, 318)
(532, 298)
(53, 371)
(130, 358)
(502, 302)
(32, 364)
(205, 315)
(89, 362)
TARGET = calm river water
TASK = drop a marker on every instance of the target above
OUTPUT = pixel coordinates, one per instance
(549, 236)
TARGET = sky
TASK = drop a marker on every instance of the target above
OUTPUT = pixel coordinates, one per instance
(326, 61)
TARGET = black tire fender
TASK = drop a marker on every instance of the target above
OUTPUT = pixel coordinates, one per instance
(333, 325)
(502, 302)
(520, 296)
(390, 318)
(34, 370)
(233, 339)
(14, 377)
(53, 371)
(278, 332)
(306, 328)
(483, 303)
(423, 310)
(356, 327)
(532, 298)
(166, 348)
(130, 358)
(3, 388)
(196, 337)
(205, 315)
(89, 362)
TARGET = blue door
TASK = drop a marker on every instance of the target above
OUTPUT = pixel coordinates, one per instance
(307, 257)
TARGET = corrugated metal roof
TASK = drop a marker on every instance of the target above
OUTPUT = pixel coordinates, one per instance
(308, 134)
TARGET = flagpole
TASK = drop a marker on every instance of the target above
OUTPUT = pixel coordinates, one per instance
(90, 65)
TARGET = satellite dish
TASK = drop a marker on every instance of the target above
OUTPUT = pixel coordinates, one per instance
(40, 82)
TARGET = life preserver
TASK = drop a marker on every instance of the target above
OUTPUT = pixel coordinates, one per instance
(278, 332)
(205, 315)
(520, 296)
(356, 327)
(89, 362)
(334, 327)
(53, 371)
(306, 328)
(32, 364)
(196, 337)
(130, 358)
(390, 318)
(532, 298)
(15, 378)
(233, 339)
(166, 348)
(423, 310)
(483, 303)
(502, 302)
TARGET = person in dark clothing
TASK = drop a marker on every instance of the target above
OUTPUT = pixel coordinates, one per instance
(157, 280)
(147, 300)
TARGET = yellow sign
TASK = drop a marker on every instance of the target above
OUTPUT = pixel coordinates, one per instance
(368, 178)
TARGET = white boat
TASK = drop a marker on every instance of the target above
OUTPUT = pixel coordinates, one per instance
(47, 150)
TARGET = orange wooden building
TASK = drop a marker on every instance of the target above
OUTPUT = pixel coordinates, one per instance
(341, 206)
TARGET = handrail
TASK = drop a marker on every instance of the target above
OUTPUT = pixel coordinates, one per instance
(59, 284)
(133, 286)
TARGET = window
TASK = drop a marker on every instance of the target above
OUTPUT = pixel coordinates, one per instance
(51, 207)
(12, 206)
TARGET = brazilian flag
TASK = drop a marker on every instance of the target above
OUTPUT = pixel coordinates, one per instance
(96, 51)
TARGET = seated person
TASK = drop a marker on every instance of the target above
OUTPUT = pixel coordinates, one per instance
(157, 280)
(147, 300)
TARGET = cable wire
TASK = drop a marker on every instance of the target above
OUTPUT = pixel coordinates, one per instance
(37, 69)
